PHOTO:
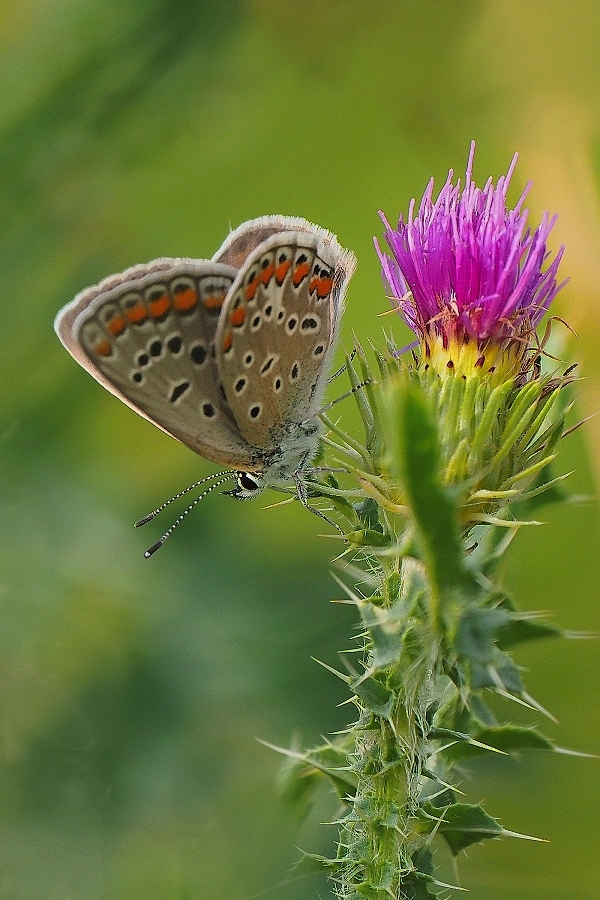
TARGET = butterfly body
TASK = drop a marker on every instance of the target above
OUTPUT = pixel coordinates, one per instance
(229, 355)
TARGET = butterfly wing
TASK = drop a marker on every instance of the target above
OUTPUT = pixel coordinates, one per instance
(279, 326)
(147, 335)
(244, 240)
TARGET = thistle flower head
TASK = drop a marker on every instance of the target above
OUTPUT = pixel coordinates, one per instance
(468, 275)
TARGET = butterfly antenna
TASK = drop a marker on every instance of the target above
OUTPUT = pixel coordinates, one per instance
(186, 490)
(357, 387)
(229, 476)
(342, 369)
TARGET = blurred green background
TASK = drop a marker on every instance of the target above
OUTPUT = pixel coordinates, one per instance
(132, 691)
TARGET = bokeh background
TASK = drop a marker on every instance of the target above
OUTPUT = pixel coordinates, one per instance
(132, 691)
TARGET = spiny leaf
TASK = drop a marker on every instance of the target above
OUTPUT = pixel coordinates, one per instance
(366, 537)
(375, 696)
(463, 824)
(312, 864)
(462, 738)
(415, 436)
(304, 771)
(422, 860)
(506, 738)
(385, 633)
(476, 634)
(368, 513)
(524, 627)
(503, 675)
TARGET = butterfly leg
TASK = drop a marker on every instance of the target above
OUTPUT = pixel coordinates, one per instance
(303, 498)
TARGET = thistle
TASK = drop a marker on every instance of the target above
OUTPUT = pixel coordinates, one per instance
(469, 279)
(460, 432)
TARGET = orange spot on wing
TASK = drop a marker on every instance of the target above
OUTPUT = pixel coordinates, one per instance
(300, 273)
(282, 270)
(185, 300)
(116, 325)
(227, 342)
(267, 274)
(238, 316)
(213, 301)
(251, 289)
(137, 313)
(103, 348)
(324, 286)
(159, 306)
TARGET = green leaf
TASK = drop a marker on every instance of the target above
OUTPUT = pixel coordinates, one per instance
(502, 674)
(366, 537)
(340, 503)
(368, 513)
(416, 887)
(422, 860)
(475, 638)
(489, 544)
(304, 771)
(523, 628)
(380, 359)
(514, 738)
(543, 494)
(298, 785)
(493, 405)
(463, 824)
(387, 873)
(375, 696)
(385, 633)
(311, 864)
(507, 738)
(467, 713)
(414, 436)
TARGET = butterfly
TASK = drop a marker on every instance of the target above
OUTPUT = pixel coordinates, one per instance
(229, 355)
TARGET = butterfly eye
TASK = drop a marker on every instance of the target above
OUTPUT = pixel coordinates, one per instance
(247, 486)
(247, 482)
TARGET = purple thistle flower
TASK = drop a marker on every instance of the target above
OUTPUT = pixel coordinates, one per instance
(466, 267)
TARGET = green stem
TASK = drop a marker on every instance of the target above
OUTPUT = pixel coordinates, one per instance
(378, 836)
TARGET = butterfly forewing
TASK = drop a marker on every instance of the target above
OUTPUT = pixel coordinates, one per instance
(278, 329)
(148, 336)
